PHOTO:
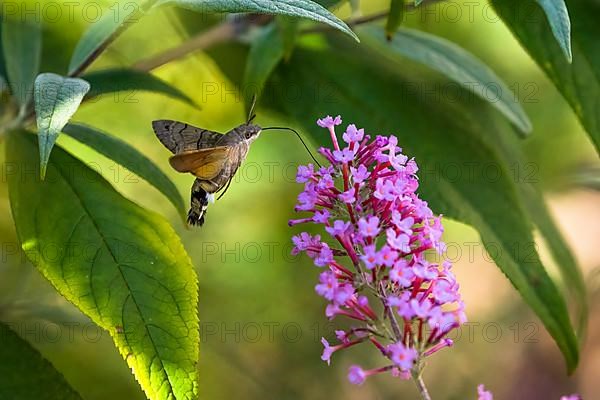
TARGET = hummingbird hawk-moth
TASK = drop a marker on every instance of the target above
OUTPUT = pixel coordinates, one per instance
(213, 158)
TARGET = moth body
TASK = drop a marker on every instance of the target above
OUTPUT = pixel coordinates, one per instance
(213, 158)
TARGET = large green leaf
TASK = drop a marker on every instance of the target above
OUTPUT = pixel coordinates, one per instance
(56, 100)
(587, 177)
(25, 374)
(454, 62)
(129, 157)
(122, 265)
(450, 140)
(579, 81)
(122, 79)
(104, 31)
(295, 8)
(510, 151)
(558, 18)
(22, 47)
(570, 272)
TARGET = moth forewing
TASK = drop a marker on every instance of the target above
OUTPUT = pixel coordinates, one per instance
(204, 164)
(180, 137)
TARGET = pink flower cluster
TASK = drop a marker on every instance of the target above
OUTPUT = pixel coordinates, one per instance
(376, 264)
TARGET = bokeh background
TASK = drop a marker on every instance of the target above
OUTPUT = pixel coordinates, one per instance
(261, 321)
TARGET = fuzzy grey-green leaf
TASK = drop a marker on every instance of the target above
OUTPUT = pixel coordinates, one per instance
(56, 100)
(295, 8)
(121, 265)
(558, 18)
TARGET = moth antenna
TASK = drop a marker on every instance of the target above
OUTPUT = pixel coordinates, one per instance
(251, 114)
(299, 137)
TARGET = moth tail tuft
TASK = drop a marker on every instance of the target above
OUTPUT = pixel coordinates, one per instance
(199, 204)
(195, 219)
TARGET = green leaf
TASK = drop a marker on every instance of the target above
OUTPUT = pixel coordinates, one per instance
(579, 81)
(329, 3)
(129, 157)
(587, 177)
(2, 63)
(103, 32)
(26, 374)
(294, 8)
(266, 52)
(56, 100)
(121, 265)
(567, 265)
(456, 63)
(122, 79)
(22, 47)
(558, 18)
(510, 151)
(289, 28)
(394, 18)
(451, 140)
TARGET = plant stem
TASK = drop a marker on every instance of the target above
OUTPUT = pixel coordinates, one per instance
(220, 33)
(421, 386)
(393, 321)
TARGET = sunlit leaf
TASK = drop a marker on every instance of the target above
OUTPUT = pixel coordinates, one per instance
(450, 140)
(22, 47)
(26, 374)
(294, 8)
(56, 100)
(454, 62)
(120, 264)
(129, 157)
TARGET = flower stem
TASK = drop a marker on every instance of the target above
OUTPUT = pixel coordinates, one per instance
(421, 386)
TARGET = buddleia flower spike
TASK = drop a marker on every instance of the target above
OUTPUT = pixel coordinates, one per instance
(376, 255)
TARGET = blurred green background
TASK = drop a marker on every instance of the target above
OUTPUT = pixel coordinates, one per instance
(261, 321)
